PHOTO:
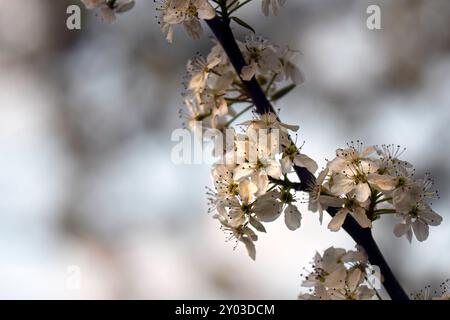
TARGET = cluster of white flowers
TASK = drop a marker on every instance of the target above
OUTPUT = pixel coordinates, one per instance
(109, 8)
(266, 60)
(251, 180)
(369, 182)
(247, 192)
(340, 275)
(214, 93)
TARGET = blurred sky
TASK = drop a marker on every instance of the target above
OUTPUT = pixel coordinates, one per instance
(86, 177)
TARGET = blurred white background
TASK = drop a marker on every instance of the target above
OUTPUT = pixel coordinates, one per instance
(86, 177)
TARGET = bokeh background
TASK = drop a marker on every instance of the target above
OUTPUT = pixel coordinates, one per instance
(86, 177)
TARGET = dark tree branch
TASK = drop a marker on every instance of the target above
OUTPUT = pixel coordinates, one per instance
(362, 237)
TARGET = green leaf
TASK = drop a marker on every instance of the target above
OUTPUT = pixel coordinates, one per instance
(282, 92)
(243, 24)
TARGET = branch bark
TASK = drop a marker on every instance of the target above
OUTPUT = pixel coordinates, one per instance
(362, 237)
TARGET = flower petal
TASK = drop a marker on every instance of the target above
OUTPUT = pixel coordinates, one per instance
(384, 182)
(338, 220)
(336, 279)
(304, 161)
(243, 171)
(360, 216)
(267, 208)
(401, 228)
(250, 246)
(421, 230)
(355, 277)
(205, 10)
(292, 217)
(342, 185)
(362, 192)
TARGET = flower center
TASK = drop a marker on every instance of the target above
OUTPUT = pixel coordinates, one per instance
(192, 11)
(401, 182)
(259, 165)
(360, 178)
(233, 189)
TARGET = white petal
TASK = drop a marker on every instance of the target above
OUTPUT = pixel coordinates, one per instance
(360, 216)
(250, 246)
(321, 178)
(108, 14)
(292, 217)
(430, 217)
(337, 165)
(286, 164)
(365, 293)
(342, 185)
(262, 182)
(331, 202)
(267, 208)
(243, 171)
(338, 220)
(193, 28)
(273, 169)
(205, 10)
(257, 225)
(124, 7)
(401, 228)
(336, 279)
(336, 294)
(409, 235)
(384, 182)
(92, 4)
(250, 233)
(246, 190)
(304, 161)
(421, 230)
(355, 277)
(290, 127)
(362, 192)
(368, 151)
(248, 72)
(368, 166)
(297, 76)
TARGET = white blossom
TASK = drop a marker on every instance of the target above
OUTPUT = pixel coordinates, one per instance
(290, 71)
(194, 112)
(109, 8)
(292, 156)
(389, 160)
(353, 172)
(185, 12)
(261, 57)
(320, 198)
(417, 218)
(339, 275)
(200, 69)
(356, 210)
